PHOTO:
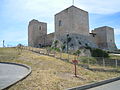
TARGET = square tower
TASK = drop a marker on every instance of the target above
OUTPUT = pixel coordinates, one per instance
(104, 38)
(37, 33)
(71, 21)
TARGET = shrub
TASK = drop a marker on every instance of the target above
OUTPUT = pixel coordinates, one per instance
(99, 53)
(55, 49)
(77, 52)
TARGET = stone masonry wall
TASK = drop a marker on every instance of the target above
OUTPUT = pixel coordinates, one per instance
(50, 39)
(37, 33)
(104, 38)
(71, 21)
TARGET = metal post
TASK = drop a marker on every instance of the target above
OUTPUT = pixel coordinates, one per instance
(60, 55)
(75, 71)
(88, 61)
(67, 42)
(3, 43)
(68, 56)
(116, 63)
(44, 40)
(103, 61)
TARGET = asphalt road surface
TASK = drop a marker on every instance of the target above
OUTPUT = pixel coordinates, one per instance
(110, 86)
(10, 73)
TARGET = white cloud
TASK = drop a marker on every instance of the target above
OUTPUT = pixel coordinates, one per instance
(44, 10)
(26, 9)
(117, 31)
(99, 6)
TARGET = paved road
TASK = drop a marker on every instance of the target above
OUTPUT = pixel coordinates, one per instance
(110, 86)
(10, 73)
(116, 54)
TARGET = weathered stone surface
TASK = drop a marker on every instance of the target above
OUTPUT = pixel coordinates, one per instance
(50, 39)
(71, 21)
(37, 33)
(104, 38)
(75, 42)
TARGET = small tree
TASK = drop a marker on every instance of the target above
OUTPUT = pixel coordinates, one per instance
(77, 52)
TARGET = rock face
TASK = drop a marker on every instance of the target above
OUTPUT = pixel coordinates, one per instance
(75, 41)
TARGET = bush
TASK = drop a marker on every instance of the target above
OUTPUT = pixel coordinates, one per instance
(54, 49)
(77, 52)
(57, 49)
(99, 53)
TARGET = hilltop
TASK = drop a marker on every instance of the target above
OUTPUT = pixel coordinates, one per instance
(49, 72)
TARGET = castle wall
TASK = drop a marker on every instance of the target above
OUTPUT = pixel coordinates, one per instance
(104, 38)
(71, 20)
(75, 22)
(37, 33)
(50, 39)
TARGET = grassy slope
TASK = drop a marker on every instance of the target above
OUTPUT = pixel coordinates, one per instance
(49, 73)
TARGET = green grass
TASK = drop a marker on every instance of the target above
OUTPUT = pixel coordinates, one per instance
(49, 73)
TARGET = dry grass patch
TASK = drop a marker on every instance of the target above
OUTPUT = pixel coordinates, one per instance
(49, 73)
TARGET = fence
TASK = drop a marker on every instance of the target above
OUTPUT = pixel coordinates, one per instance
(108, 62)
(83, 61)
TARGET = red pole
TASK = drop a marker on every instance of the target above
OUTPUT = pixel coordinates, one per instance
(75, 71)
(75, 62)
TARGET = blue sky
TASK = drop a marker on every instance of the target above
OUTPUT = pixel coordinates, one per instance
(16, 14)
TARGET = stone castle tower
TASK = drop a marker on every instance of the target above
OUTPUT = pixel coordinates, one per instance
(71, 21)
(37, 32)
(104, 38)
(73, 24)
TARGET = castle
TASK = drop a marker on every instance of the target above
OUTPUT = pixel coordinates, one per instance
(72, 23)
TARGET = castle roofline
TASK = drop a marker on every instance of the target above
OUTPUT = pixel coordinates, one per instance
(71, 7)
(36, 21)
(103, 27)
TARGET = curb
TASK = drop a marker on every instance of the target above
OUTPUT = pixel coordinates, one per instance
(88, 86)
(27, 74)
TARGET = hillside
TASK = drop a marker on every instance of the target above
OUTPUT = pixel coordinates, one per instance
(49, 73)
